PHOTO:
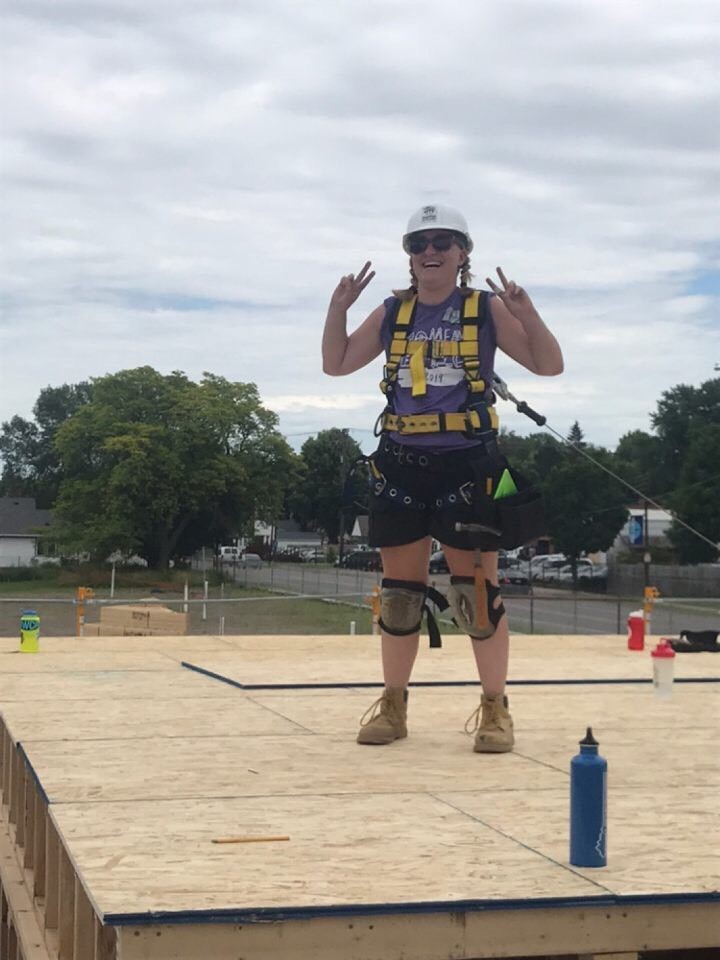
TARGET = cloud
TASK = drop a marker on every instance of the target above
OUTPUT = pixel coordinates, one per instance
(186, 183)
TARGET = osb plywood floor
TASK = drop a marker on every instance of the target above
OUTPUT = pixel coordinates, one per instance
(145, 762)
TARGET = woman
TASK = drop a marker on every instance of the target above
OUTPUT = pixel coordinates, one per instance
(437, 467)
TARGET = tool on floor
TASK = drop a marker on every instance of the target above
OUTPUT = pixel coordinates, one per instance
(247, 839)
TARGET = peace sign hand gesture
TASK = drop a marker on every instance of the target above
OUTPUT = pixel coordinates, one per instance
(350, 288)
(513, 296)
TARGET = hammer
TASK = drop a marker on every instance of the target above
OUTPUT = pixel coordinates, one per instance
(482, 618)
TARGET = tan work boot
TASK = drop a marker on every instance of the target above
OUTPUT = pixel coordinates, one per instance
(384, 721)
(494, 730)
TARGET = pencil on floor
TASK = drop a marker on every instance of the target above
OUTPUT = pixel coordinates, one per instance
(247, 839)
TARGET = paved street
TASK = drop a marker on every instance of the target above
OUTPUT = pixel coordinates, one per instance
(547, 611)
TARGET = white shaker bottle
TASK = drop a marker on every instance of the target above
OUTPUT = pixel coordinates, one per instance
(663, 661)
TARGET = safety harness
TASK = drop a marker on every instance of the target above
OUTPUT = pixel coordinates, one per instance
(478, 417)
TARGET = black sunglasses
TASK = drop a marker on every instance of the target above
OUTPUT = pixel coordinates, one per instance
(441, 243)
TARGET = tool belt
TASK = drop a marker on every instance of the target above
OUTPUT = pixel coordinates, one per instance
(515, 519)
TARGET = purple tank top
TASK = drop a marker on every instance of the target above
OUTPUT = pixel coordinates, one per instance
(447, 390)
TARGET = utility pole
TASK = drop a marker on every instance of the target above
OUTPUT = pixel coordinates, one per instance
(646, 545)
(341, 535)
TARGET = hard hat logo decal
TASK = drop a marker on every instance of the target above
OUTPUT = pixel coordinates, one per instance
(429, 213)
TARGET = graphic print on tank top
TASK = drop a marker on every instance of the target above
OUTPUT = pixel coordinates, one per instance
(439, 371)
(447, 390)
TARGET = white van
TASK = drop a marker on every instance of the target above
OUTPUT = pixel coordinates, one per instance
(229, 554)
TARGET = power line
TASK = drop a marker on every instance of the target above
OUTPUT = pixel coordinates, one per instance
(635, 490)
(501, 388)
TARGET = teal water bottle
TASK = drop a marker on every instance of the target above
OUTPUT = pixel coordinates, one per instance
(588, 805)
(29, 632)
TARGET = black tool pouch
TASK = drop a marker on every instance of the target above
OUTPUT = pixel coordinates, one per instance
(521, 516)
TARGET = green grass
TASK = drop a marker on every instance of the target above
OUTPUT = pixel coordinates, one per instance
(55, 581)
(273, 613)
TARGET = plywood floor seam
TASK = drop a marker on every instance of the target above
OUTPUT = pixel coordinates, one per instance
(136, 768)
(551, 860)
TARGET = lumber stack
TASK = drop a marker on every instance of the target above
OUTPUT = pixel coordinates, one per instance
(138, 620)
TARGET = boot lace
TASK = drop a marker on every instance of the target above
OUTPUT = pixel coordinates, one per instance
(485, 715)
(473, 721)
(374, 710)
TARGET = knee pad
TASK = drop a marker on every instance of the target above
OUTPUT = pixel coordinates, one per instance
(401, 606)
(473, 609)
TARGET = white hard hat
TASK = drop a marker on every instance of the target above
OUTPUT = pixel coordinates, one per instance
(437, 217)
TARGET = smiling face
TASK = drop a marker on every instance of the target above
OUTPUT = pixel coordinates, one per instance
(436, 268)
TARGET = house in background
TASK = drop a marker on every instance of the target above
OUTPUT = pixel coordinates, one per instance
(286, 535)
(360, 528)
(21, 525)
(632, 533)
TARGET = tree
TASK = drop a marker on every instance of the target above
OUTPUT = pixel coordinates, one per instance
(585, 507)
(576, 436)
(324, 490)
(696, 498)
(679, 411)
(31, 467)
(159, 465)
(534, 456)
(638, 457)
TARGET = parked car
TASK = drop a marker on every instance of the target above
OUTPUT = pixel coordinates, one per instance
(514, 575)
(362, 560)
(438, 563)
(549, 570)
(586, 570)
(548, 561)
(313, 555)
(251, 560)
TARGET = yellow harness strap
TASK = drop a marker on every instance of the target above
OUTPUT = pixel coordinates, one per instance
(417, 351)
(471, 360)
(435, 422)
(399, 344)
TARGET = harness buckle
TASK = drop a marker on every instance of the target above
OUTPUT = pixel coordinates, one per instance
(389, 376)
(378, 482)
(466, 492)
(378, 428)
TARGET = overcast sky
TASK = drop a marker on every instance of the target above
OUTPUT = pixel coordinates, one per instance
(185, 182)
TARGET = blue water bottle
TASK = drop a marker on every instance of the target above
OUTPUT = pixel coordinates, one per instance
(588, 805)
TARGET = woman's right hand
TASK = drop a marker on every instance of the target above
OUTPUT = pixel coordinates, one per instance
(350, 287)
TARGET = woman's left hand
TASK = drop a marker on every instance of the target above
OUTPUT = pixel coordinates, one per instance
(513, 296)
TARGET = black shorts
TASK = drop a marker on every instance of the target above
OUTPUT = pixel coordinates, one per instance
(423, 478)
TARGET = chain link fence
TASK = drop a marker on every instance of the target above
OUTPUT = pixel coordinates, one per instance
(538, 610)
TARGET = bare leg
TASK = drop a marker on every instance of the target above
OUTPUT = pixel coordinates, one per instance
(491, 655)
(409, 562)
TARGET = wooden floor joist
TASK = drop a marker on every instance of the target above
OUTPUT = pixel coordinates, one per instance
(21, 936)
(120, 768)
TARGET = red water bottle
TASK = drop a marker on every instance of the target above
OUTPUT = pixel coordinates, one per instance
(636, 630)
